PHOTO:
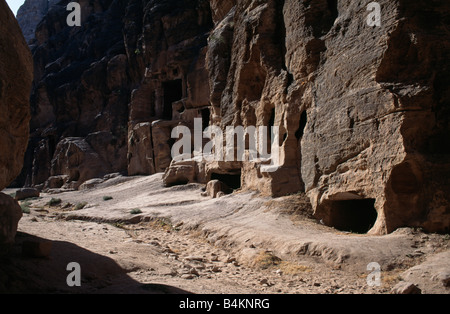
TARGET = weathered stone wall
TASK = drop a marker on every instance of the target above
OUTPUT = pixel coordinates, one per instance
(81, 92)
(168, 50)
(360, 109)
(16, 72)
(125, 64)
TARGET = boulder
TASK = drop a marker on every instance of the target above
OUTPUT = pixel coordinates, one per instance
(25, 193)
(55, 182)
(443, 277)
(404, 287)
(16, 75)
(78, 162)
(216, 189)
(181, 172)
(10, 214)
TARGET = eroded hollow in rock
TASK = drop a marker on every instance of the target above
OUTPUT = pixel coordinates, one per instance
(180, 181)
(205, 117)
(357, 216)
(232, 180)
(302, 124)
(173, 91)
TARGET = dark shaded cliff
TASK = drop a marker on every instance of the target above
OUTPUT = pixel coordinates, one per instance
(16, 73)
(85, 76)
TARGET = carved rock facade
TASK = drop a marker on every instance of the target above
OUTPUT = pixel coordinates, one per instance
(363, 112)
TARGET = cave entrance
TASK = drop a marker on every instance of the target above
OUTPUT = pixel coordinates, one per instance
(232, 180)
(271, 123)
(357, 216)
(205, 118)
(173, 91)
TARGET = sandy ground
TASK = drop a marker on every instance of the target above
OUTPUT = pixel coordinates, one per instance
(132, 235)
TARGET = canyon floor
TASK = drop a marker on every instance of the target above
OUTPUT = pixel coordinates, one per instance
(132, 235)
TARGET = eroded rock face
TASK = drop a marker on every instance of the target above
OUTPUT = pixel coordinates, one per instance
(166, 49)
(129, 63)
(81, 90)
(77, 161)
(16, 72)
(385, 112)
(360, 109)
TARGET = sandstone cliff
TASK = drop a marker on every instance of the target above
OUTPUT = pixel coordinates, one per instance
(363, 111)
(16, 72)
(100, 79)
(80, 95)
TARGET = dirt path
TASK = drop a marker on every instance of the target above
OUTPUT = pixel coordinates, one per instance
(179, 242)
(148, 257)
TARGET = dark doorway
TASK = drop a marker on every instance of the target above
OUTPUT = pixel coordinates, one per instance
(271, 123)
(173, 91)
(302, 124)
(233, 180)
(357, 216)
(333, 8)
(205, 118)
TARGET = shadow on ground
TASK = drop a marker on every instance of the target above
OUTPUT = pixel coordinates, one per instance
(21, 273)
